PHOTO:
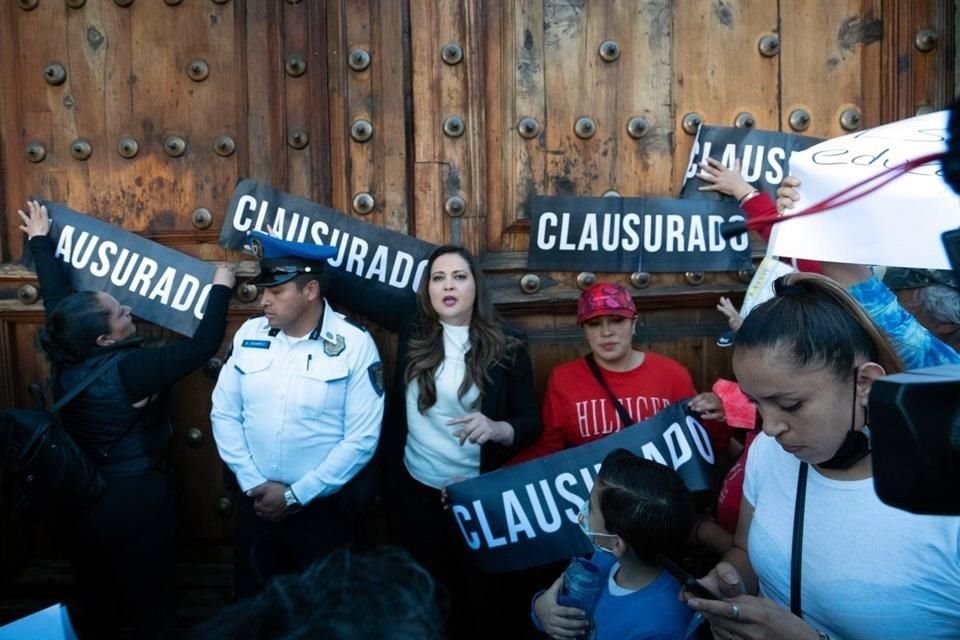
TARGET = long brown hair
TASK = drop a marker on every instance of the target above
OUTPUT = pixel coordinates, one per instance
(816, 322)
(489, 345)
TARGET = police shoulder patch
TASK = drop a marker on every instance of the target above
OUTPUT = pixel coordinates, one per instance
(375, 372)
(350, 320)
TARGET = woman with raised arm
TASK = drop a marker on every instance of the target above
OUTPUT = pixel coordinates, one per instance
(122, 546)
(856, 568)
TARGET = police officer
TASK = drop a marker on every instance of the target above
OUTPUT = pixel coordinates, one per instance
(296, 415)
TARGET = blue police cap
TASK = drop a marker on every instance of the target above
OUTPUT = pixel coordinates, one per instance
(281, 261)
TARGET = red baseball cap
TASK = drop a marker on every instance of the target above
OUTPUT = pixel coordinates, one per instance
(605, 299)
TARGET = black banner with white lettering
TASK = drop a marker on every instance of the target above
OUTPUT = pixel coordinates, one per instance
(374, 267)
(634, 234)
(163, 286)
(525, 516)
(764, 157)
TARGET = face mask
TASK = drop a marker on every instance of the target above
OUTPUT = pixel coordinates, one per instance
(856, 444)
(584, 520)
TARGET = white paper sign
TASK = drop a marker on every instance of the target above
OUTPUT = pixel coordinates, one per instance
(899, 224)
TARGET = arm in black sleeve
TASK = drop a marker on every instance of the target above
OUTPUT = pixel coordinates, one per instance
(54, 284)
(147, 371)
(347, 290)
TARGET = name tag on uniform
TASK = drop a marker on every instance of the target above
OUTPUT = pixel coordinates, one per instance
(256, 344)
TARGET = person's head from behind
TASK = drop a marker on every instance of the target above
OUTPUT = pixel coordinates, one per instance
(288, 305)
(608, 316)
(83, 322)
(932, 296)
(383, 594)
(807, 358)
(638, 509)
(453, 289)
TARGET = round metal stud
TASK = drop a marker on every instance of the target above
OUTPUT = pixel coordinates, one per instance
(76, 4)
(198, 69)
(612, 193)
(224, 506)
(361, 130)
(609, 50)
(694, 278)
(55, 74)
(212, 367)
(691, 122)
(123, 3)
(293, 1)
(530, 283)
(36, 152)
(363, 203)
(358, 59)
(298, 138)
(640, 279)
(637, 127)
(173, 3)
(201, 218)
(745, 120)
(81, 149)
(295, 65)
(926, 40)
(221, 1)
(799, 119)
(27, 5)
(851, 119)
(769, 45)
(194, 438)
(528, 128)
(452, 53)
(455, 206)
(224, 146)
(175, 146)
(585, 128)
(924, 109)
(128, 147)
(453, 126)
(745, 275)
(586, 279)
(247, 292)
(28, 294)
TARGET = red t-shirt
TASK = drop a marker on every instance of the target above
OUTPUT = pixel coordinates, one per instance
(577, 410)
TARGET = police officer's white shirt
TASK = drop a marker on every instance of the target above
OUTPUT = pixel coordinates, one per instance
(433, 455)
(301, 411)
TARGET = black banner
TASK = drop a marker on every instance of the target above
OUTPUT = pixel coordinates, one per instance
(634, 234)
(764, 157)
(387, 264)
(526, 516)
(163, 286)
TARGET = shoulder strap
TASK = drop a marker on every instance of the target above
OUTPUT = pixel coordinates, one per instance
(96, 373)
(624, 416)
(796, 554)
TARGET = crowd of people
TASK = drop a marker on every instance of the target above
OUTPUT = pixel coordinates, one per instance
(302, 417)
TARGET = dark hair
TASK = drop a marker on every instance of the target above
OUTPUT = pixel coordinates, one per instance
(382, 594)
(488, 343)
(813, 320)
(303, 279)
(72, 328)
(645, 503)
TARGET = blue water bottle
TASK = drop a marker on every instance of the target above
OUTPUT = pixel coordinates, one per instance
(582, 585)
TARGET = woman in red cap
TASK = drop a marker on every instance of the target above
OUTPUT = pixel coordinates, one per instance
(577, 409)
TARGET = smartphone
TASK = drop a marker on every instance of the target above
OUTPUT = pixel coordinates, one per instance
(686, 580)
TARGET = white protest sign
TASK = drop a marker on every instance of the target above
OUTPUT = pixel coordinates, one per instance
(897, 225)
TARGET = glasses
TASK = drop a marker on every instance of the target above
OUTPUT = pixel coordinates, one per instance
(584, 520)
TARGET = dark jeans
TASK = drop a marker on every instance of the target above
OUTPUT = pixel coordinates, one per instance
(265, 549)
(122, 550)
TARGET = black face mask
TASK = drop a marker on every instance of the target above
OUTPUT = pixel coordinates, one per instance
(856, 444)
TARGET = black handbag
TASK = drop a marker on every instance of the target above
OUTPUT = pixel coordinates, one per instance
(54, 478)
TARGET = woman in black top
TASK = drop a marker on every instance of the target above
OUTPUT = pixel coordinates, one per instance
(122, 546)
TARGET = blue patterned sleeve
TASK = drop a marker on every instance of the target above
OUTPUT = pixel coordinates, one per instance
(915, 345)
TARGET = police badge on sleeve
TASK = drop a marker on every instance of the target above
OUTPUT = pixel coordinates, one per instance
(375, 372)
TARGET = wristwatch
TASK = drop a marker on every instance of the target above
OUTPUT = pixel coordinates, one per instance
(290, 498)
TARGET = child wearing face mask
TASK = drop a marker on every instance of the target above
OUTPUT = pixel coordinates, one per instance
(637, 509)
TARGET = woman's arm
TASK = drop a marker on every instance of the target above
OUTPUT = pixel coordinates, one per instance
(148, 371)
(54, 285)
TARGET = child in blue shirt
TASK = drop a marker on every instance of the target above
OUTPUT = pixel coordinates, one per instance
(637, 509)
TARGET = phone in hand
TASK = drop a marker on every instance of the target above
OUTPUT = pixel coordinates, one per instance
(686, 580)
